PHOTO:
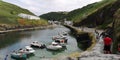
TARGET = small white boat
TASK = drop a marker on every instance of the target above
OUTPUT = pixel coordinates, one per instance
(37, 45)
(54, 46)
(56, 37)
(60, 36)
(27, 50)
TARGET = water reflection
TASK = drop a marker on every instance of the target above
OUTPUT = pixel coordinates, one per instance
(19, 59)
(30, 55)
(11, 38)
(16, 40)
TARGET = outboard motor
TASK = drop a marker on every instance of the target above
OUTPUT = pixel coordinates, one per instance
(58, 41)
(43, 46)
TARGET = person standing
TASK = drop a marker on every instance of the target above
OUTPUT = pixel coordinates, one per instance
(6, 57)
(107, 44)
(97, 34)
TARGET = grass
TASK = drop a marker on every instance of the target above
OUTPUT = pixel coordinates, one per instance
(9, 12)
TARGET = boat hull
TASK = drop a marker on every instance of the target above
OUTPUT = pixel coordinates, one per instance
(41, 47)
(18, 56)
(50, 47)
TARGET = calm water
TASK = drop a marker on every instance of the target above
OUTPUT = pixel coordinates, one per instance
(17, 40)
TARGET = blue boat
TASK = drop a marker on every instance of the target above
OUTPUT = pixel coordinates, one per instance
(18, 55)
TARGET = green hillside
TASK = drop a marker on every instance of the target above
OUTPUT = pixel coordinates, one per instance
(104, 14)
(80, 14)
(9, 17)
(54, 15)
(102, 17)
(8, 12)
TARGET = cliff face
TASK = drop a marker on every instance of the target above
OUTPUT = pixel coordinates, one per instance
(106, 16)
(79, 14)
(102, 17)
(116, 33)
(117, 22)
(109, 15)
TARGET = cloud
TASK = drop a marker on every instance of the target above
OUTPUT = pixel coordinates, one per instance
(39, 7)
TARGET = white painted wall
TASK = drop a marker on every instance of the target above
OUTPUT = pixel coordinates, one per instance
(27, 16)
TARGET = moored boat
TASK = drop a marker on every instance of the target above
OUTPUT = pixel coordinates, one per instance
(27, 50)
(37, 45)
(62, 42)
(60, 37)
(18, 55)
(54, 46)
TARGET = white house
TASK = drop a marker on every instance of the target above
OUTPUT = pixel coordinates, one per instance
(28, 16)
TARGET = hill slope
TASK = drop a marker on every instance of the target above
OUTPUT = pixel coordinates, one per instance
(9, 17)
(54, 15)
(100, 13)
(81, 13)
(8, 12)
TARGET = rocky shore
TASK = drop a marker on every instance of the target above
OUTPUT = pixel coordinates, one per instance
(95, 52)
(26, 29)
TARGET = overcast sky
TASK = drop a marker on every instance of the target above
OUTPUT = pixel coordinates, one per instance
(39, 7)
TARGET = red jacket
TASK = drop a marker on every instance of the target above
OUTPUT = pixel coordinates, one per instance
(107, 41)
